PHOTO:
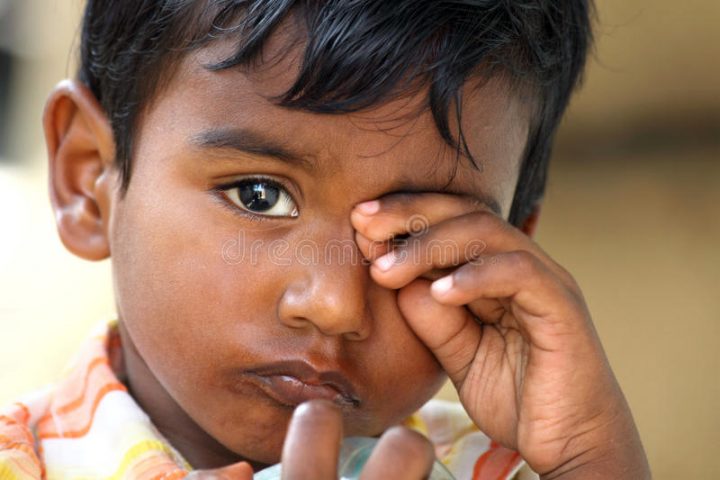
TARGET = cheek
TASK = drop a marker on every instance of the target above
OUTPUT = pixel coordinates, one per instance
(415, 375)
(174, 290)
(404, 373)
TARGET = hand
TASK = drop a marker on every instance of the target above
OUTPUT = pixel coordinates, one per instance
(510, 327)
(312, 448)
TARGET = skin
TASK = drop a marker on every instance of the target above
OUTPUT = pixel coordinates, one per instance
(513, 333)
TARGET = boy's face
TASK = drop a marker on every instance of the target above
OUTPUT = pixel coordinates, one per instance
(219, 308)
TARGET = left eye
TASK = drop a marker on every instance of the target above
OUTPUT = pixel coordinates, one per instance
(261, 196)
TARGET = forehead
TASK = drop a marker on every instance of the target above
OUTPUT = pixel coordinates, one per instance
(394, 146)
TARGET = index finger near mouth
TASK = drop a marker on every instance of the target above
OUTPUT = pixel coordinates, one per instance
(413, 213)
(312, 445)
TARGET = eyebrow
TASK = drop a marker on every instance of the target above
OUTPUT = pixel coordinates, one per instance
(250, 142)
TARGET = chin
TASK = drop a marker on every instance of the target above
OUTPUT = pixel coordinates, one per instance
(258, 440)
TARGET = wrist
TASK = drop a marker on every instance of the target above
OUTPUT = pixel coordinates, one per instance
(616, 467)
(615, 452)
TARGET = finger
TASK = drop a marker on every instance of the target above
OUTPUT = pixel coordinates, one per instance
(446, 245)
(539, 299)
(449, 331)
(487, 310)
(454, 242)
(238, 471)
(400, 454)
(312, 445)
(371, 249)
(403, 213)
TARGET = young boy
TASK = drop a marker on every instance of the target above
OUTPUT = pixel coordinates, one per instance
(325, 202)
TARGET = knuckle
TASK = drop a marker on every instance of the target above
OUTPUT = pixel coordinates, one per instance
(524, 262)
(483, 223)
(416, 291)
(416, 224)
(467, 275)
(569, 280)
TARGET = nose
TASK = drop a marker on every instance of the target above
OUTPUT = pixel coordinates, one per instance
(328, 293)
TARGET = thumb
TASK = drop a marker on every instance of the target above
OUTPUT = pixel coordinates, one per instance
(237, 471)
(449, 331)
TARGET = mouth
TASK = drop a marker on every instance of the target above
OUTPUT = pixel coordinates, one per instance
(294, 382)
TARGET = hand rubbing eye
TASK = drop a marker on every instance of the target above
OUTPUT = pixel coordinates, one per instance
(262, 197)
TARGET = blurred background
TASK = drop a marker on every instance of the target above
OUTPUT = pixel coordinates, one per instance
(633, 210)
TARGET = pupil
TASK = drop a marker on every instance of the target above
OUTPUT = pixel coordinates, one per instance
(259, 196)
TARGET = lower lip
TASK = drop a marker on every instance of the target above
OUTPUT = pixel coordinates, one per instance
(291, 392)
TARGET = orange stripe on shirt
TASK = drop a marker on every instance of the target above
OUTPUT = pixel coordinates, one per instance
(17, 413)
(496, 463)
(175, 475)
(75, 384)
(154, 465)
(75, 415)
(77, 401)
(8, 444)
(25, 411)
(9, 420)
(48, 429)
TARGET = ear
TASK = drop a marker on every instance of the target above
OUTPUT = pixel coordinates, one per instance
(530, 224)
(81, 152)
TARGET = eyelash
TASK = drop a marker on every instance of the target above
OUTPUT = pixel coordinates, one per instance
(220, 189)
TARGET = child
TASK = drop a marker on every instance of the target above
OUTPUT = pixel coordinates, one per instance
(328, 202)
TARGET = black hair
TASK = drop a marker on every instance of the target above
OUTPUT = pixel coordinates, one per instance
(357, 53)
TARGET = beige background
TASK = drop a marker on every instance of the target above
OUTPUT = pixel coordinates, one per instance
(633, 210)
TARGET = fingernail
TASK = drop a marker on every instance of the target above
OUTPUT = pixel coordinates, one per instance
(443, 285)
(368, 208)
(385, 262)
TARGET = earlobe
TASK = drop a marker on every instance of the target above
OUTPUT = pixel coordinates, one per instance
(529, 226)
(81, 153)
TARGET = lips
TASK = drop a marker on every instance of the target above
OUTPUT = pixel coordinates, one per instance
(291, 383)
